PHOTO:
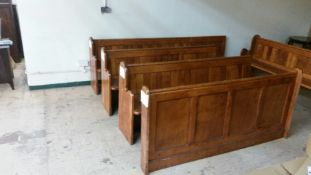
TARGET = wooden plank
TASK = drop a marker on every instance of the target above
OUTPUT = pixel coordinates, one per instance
(174, 74)
(283, 55)
(228, 115)
(111, 61)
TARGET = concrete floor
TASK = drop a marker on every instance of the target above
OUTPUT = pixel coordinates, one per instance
(65, 132)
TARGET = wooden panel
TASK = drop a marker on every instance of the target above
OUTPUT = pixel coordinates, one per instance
(186, 123)
(184, 77)
(10, 29)
(6, 72)
(249, 109)
(198, 76)
(19, 42)
(217, 73)
(278, 54)
(112, 59)
(279, 57)
(143, 43)
(210, 117)
(138, 43)
(233, 72)
(126, 121)
(185, 72)
(173, 120)
(135, 56)
(304, 64)
(179, 73)
(94, 76)
(106, 92)
(273, 105)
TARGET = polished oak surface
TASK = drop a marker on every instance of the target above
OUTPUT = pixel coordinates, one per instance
(95, 46)
(171, 74)
(111, 61)
(186, 123)
(279, 55)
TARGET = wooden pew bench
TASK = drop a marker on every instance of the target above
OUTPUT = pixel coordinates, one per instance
(170, 74)
(111, 60)
(95, 46)
(281, 55)
(183, 123)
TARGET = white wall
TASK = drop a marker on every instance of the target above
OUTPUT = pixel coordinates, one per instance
(55, 32)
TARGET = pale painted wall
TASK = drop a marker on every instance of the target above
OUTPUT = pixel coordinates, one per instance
(56, 32)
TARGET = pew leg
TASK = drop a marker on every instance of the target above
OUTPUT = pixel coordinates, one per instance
(12, 85)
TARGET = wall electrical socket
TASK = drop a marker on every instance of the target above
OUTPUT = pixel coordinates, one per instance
(105, 9)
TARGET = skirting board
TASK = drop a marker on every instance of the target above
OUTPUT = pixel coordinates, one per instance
(61, 85)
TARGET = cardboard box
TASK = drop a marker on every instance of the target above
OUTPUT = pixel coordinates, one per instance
(298, 166)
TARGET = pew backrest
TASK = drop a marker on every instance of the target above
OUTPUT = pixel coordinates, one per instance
(141, 43)
(95, 46)
(186, 123)
(179, 73)
(111, 59)
(278, 54)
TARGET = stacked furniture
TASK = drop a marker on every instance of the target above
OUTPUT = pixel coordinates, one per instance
(6, 71)
(10, 28)
(95, 46)
(192, 102)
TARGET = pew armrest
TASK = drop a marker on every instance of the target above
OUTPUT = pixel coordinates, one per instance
(126, 117)
(106, 91)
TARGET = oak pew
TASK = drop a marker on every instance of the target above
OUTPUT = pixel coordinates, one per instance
(170, 74)
(186, 123)
(278, 54)
(111, 60)
(95, 46)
